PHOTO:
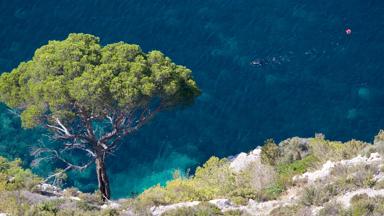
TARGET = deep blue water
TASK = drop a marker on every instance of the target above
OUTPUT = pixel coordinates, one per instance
(307, 74)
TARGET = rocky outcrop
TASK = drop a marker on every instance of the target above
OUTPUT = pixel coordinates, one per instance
(325, 171)
(242, 160)
(291, 196)
(345, 199)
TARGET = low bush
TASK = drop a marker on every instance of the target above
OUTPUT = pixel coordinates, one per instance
(333, 209)
(317, 195)
(214, 179)
(365, 205)
(326, 150)
(14, 177)
(257, 176)
(270, 152)
(203, 209)
(235, 213)
(13, 203)
(287, 171)
(354, 177)
(293, 149)
(289, 210)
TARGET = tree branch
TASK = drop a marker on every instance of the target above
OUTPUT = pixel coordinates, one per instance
(53, 154)
(145, 117)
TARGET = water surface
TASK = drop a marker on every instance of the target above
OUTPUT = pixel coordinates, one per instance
(267, 68)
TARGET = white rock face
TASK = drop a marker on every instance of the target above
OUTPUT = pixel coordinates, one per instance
(242, 160)
(110, 205)
(318, 174)
(345, 200)
(325, 171)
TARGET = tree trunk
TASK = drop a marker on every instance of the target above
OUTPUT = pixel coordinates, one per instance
(102, 178)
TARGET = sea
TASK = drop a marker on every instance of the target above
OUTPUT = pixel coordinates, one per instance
(266, 68)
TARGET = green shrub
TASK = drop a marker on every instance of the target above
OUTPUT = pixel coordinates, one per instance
(287, 210)
(272, 192)
(361, 205)
(239, 200)
(94, 198)
(293, 149)
(13, 177)
(378, 144)
(318, 194)
(297, 167)
(71, 192)
(287, 171)
(379, 137)
(257, 176)
(13, 203)
(203, 209)
(47, 208)
(245, 193)
(269, 152)
(352, 149)
(326, 150)
(213, 180)
(235, 213)
(353, 177)
(333, 208)
(364, 205)
(257, 181)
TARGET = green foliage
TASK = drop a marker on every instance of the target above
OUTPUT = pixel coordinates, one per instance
(379, 137)
(318, 194)
(331, 150)
(361, 204)
(80, 73)
(365, 205)
(14, 180)
(48, 208)
(293, 149)
(287, 210)
(378, 144)
(235, 213)
(353, 148)
(333, 208)
(214, 179)
(13, 203)
(273, 191)
(239, 200)
(296, 167)
(326, 150)
(354, 177)
(269, 152)
(203, 209)
(287, 171)
(60, 207)
(257, 181)
(13, 177)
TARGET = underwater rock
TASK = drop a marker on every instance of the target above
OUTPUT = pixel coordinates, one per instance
(364, 93)
(352, 114)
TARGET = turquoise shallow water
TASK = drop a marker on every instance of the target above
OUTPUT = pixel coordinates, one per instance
(267, 68)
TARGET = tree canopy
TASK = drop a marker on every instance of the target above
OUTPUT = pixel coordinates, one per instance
(79, 73)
